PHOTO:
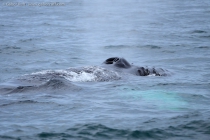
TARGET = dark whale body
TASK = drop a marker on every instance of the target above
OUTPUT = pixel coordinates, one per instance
(113, 68)
(120, 64)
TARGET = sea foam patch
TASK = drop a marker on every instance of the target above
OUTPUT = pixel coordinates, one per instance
(83, 74)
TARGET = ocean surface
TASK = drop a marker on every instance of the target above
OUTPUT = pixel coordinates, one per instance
(41, 42)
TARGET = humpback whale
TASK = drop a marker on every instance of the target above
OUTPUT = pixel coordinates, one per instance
(122, 65)
(113, 68)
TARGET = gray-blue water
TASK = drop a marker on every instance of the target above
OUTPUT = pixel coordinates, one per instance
(36, 38)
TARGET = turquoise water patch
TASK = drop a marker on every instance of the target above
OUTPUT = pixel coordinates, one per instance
(162, 99)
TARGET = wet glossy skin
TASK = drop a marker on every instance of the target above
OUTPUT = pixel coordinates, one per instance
(121, 63)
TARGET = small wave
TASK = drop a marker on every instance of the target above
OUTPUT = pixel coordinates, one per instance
(7, 47)
(152, 46)
(128, 46)
(203, 47)
(116, 47)
(26, 40)
(99, 131)
(205, 36)
(19, 89)
(20, 102)
(198, 31)
(8, 138)
(200, 126)
(168, 51)
(47, 24)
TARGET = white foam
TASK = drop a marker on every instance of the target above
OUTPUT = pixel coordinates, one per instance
(42, 72)
(84, 74)
(152, 75)
(81, 77)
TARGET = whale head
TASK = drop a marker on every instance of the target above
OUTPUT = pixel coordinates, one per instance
(117, 62)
